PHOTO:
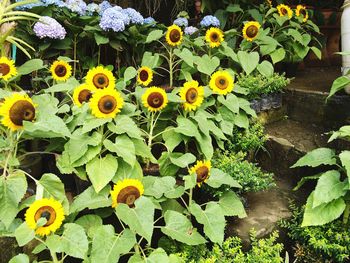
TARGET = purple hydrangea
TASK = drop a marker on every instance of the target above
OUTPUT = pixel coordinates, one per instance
(92, 8)
(210, 21)
(134, 16)
(190, 30)
(103, 6)
(181, 21)
(113, 18)
(77, 6)
(149, 20)
(49, 27)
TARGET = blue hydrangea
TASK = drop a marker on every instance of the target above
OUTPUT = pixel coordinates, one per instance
(27, 6)
(134, 16)
(190, 30)
(58, 3)
(181, 21)
(210, 21)
(149, 20)
(77, 6)
(49, 27)
(114, 19)
(92, 8)
(103, 6)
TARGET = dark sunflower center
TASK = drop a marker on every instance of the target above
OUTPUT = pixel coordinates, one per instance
(191, 95)
(143, 75)
(202, 173)
(84, 95)
(107, 104)
(175, 35)
(61, 70)
(128, 195)
(46, 212)
(221, 83)
(252, 31)
(283, 11)
(155, 100)
(4, 69)
(20, 111)
(303, 12)
(214, 37)
(100, 81)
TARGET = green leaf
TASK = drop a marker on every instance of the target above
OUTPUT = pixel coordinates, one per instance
(305, 179)
(150, 60)
(126, 171)
(190, 181)
(186, 127)
(231, 102)
(184, 160)
(92, 123)
(90, 223)
(30, 66)
(67, 86)
(339, 84)
(74, 241)
(213, 220)
(218, 178)
(124, 124)
(317, 157)
(154, 35)
(241, 120)
(185, 55)
(178, 227)
(100, 39)
(20, 258)
(158, 255)
(266, 68)
(231, 205)
(317, 52)
(172, 139)
(345, 160)
(249, 61)
(343, 132)
(123, 147)
(158, 186)
(24, 234)
(205, 145)
(101, 171)
(92, 200)
(141, 149)
(140, 218)
(130, 73)
(206, 64)
(278, 55)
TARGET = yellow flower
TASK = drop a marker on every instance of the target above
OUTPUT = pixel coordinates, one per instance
(221, 82)
(174, 35)
(7, 68)
(251, 30)
(214, 36)
(106, 103)
(284, 10)
(100, 78)
(126, 192)
(155, 99)
(49, 209)
(192, 95)
(61, 70)
(15, 110)
(301, 10)
(202, 169)
(144, 76)
(82, 94)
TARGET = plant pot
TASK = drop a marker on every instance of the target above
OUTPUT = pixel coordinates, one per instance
(276, 100)
(256, 105)
(266, 102)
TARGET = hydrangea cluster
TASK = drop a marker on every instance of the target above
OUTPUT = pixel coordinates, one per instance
(49, 27)
(92, 8)
(149, 20)
(27, 6)
(190, 30)
(134, 16)
(181, 21)
(112, 18)
(210, 21)
(58, 3)
(103, 6)
(77, 6)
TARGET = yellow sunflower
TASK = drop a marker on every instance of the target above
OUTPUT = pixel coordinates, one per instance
(251, 30)
(202, 169)
(7, 68)
(214, 36)
(192, 95)
(49, 209)
(100, 78)
(15, 110)
(302, 11)
(61, 70)
(106, 103)
(284, 10)
(155, 99)
(82, 94)
(221, 82)
(126, 192)
(174, 35)
(144, 76)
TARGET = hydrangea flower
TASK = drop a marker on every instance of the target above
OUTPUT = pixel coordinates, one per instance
(27, 6)
(134, 16)
(149, 20)
(181, 21)
(210, 21)
(92, 8)
(113, 18)
(190, 30)
(77, 6)
(58, 3)
(103, 6)
(49, 27)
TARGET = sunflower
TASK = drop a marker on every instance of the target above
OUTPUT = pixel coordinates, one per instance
(251, 30)
(301, 10)
(284, 10)
(15, 110)
(106, 103)
(174, 35)
(214, 36)
(61, 70)
(49, 209)
(202, 169)
(126, 192)
(155, 99)
(221, 82)
(7, 68)
(82, 94)
(145, 76)
(100, 78)
(192, 95)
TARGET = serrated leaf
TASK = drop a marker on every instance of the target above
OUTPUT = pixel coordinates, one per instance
(317, 157)
(24, 234)
(218, 178)
(123, 147)
(249, 61)
(158, 186)
(74, 241)
(184, 160)
(20, 258)
(92, 200)
(231, 205)
(154, 35)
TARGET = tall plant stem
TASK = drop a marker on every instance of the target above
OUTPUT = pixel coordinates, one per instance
(171, 65)
(346, 214)
(75, 42)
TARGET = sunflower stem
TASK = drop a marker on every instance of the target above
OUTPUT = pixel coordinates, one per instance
(190, 197)
(150, 136)
(75, 54)
(171, 67)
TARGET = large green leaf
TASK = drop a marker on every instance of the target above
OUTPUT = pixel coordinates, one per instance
(317, 157)
(339, 84)
(185, 55)
(20, 258)
(249, 61)
(67, 86)
(343, 132)
(154, 35)
(205, 145)
(24, 234)
(142, 149)
(74, 241)
(126, 171)
(218, 178)
(278, 55)
(124, 124)
(172, 139)
(345, 160)
(186, 127)
(266, 68)
(123, 147)
(231, 102)
(90, 223)
(231, 205)
(158, 186)
(184, 160)
(30, 66)
(129, 73)
(92, 123)
(206, 64)
(90, 199)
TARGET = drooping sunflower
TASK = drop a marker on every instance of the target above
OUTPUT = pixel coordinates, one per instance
(106, 103)
(16, 109)
(221, 82)
(127, 192)
(7, 68)
(82, 94)
(144, 76)
(100, 78)
(61, 70)
(251, 30)
(174, 35)
(202, 169)
(49, 209)
(284, 10)
(155, 99)
(214, 36)
(192, 95)
(302, 11)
